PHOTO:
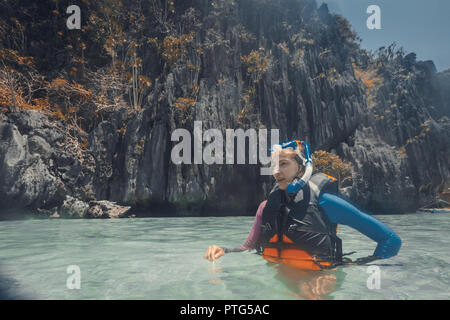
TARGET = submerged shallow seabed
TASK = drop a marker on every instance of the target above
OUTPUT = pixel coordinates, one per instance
(161, 258)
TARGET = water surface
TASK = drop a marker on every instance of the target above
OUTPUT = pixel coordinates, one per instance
(161, 258)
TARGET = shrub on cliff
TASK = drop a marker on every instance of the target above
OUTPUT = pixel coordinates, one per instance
(332, 165)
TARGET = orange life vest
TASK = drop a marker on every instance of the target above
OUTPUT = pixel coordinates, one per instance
(298, 233)
(293, 256)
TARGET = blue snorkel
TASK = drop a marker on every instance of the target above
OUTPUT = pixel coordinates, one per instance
(298, 183)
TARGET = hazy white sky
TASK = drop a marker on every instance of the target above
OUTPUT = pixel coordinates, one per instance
(420, 26)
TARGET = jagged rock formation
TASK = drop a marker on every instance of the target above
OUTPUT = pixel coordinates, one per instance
(249, 64)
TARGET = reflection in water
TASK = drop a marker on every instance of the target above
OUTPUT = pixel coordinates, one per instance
(308, 284)
(304, 284)
(213, 269)
(7, 288)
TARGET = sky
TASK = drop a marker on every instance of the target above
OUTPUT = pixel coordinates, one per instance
(420, 26)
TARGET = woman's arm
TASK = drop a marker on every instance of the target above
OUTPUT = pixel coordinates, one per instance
(253, 237)
(340, 211)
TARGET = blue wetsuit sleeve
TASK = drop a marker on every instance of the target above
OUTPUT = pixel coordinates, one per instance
(342, 212)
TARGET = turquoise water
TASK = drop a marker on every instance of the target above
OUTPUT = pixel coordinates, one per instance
(161, 258)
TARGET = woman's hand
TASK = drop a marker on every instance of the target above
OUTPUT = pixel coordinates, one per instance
(213, 253)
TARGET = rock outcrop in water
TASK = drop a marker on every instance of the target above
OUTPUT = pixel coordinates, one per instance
(236, 64)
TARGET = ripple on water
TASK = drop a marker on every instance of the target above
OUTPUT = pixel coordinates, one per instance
(161, 258)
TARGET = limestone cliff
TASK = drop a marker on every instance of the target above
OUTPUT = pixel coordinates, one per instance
(284, 65)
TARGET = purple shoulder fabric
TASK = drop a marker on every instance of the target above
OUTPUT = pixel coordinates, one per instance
(253, 237)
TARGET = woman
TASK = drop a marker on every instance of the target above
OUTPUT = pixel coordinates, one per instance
(297, 224)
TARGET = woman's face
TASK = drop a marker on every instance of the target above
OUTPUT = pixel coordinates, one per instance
(284, 170)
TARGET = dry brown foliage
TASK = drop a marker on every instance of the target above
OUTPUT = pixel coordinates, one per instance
(332, 165)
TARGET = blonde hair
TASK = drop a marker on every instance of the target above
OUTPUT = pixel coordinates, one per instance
(292, 154)
(288, 153)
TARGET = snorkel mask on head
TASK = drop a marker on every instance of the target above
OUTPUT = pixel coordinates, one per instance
(298, 183)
